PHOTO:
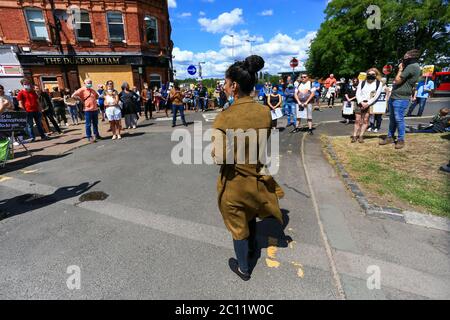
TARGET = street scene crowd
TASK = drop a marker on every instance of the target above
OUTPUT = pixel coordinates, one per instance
(365, 99)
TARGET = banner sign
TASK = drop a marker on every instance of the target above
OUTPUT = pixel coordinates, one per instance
(427, 71)
(80, 60)
(13, 121)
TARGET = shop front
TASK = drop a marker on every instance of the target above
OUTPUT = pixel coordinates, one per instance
(70, 71)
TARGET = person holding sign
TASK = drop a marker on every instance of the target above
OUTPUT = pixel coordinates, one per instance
(304, 95)
(367, 95)
(421, 95)
(275, 100)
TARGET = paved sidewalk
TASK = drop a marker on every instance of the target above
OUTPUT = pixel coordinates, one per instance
(413, 260)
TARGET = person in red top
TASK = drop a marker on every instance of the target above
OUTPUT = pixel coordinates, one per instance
(88, 97)
(331, 80)
(29, 101)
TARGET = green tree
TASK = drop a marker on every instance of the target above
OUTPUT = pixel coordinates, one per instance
(345, 45)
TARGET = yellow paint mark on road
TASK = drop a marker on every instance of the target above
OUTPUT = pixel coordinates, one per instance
(272, 263)
(272, 252)
(291, 244)
(4, 178)
(29, 171)
(300, 272)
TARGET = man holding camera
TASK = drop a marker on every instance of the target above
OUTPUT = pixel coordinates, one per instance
(404, 84)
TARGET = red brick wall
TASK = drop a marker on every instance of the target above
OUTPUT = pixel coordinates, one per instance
(14, 30)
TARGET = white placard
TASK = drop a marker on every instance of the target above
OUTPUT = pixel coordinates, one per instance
(379, 107)
(302, 114)
(277, 114)
(348, 108)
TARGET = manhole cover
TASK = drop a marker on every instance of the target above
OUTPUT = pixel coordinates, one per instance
(93, 196)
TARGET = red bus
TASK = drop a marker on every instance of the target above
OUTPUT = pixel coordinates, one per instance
(442, 83)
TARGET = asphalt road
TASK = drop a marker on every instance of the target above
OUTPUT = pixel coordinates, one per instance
(159, 235)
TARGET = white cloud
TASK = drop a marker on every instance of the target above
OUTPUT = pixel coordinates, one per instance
(277, 52)
(172, 3)
(202, 13)
(266, 13)
(223, 22)
(185, 15)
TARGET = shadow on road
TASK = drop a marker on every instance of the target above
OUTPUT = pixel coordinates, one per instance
(29, 161)
(270, 233)
(30, 202)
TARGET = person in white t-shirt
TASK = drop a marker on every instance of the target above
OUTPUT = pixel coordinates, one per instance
(304, 96)
(367, 95)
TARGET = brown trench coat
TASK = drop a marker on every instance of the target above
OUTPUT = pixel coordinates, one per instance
(244, 191)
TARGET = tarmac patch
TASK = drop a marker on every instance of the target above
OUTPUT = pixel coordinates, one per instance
(93, 196)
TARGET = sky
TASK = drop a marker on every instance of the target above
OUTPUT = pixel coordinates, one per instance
(217, 32)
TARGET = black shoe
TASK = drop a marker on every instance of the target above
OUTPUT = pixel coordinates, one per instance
(311, 133)
(173, 126)
(98, 137)
(185, 124)
(234, 266)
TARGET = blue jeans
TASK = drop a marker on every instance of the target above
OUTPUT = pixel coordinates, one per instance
(91, 118)
(37, 117)
(419, 101)
(397, 110)
(292, 112)
(175, 110)
(74, 113)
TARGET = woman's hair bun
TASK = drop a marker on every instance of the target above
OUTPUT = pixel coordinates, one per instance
(254, 64)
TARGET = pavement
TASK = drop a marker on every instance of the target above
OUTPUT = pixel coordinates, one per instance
(156, 232)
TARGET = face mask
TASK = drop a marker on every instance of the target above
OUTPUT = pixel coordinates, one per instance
(230, 100)
(371, 77)
(89, 85)
(110, 91)
(27, 87)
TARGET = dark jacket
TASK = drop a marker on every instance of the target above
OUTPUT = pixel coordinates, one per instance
(130, 102)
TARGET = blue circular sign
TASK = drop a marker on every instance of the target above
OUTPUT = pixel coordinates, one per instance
(192, 70)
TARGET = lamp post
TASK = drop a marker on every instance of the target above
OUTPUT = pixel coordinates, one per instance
(251, 45)
(200, 69)
(232, 45)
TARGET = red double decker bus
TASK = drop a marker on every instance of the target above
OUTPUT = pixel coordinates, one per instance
(442, 83)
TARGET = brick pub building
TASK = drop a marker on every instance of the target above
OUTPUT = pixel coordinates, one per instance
(60, 43)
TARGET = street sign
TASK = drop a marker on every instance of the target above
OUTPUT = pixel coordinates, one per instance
(387, 69)
(192, 70)
(294, 63)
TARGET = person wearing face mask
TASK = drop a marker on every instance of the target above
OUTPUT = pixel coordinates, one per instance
(367, 95)
(88, 97)
(291, 105)
(304, 95)
(29, 101)
(274, 100)
(349, 100)
(404, 83)
(246, 190)
(113, 112)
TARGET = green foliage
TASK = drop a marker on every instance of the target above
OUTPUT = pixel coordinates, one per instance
(346, 46)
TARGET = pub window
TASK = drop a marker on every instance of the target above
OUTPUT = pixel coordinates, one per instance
(115, 26)
(155, 81)
(83, 27)
(151, 29)
(36, 24)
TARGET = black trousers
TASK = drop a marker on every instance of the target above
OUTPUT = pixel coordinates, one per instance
(61, 114)
(49, 115)
(148, 107)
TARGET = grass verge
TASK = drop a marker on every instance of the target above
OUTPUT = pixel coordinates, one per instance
(408, 179)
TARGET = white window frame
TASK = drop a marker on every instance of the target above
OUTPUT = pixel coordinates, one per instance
(147, 18)
(80, 23)
(26, 10)
(155, 75)
(123, 26)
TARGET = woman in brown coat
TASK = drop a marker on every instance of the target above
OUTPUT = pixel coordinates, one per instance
(245, 188)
